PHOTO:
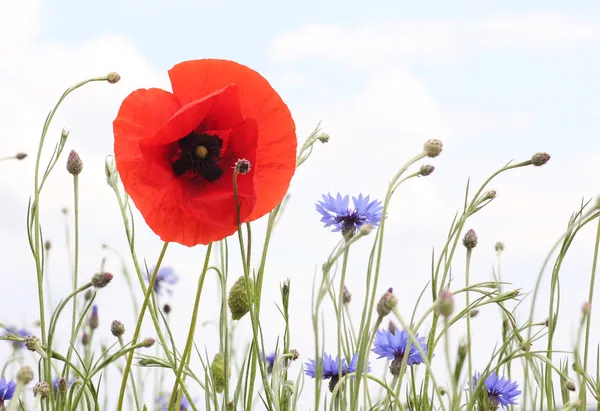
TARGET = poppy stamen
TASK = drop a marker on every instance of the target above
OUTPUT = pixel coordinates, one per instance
(198, 155)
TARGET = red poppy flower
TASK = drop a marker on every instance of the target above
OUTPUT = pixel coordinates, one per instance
(176, 152)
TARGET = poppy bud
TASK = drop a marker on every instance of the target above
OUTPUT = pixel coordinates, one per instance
(570, 385)
(426, 169)
(433, 148)
(41, 389)
(74, 163)
(21, 156)
(242, 166)
(100, 280)
(113, 77)
(25, 375)
(387, 303)
(470, 239)
(217, 369)
(239, 299)
(539, 159)
(117, 328)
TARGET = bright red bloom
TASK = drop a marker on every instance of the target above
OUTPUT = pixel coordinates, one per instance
(176, 152)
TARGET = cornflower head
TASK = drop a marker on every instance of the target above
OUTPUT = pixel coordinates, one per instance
(269, 359)
(501, 392)
(336, 212)
(165, 276)
(7, 390)
(392, 346)
(331, 368)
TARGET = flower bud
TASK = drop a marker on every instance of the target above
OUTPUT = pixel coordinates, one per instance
(47, 245)
(323, 138)
(117, 328)
(242, 166)
(32, 343)
(426, 169)
(85, 339)
(347, 296)
(42, 389)
(446, 303)
(295, 354)
(74, 163)
(88, 295)
(25, 375)
(489, 195)
(499, 247)
(470, 239)
(113, 77)
(392, 328)
(100, 280)
(570, 385)
(62, 385)
(433, 148)
(539, 159)
(387, 303)
(167, 309)
(586, 308)
(474, 312)
(366, 229)
(94, 322)
(148, 342)
(240, 300)
(217, 369)
(20, 156)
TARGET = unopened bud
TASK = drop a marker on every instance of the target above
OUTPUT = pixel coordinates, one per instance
(148, 342)
(25, 375)
(499, 247)
(445, 303)
(392, 328)
(242, 166)
(62, 385)
(366, 229)
(586, 308)
(387, 303)
(347, 296)
(20, 156)
(117, 328)
(539, 159)
(240, 297)
(100, 280)
(74, 163)
(470, 239)
(217, 369)
(47, 245)
(489, 195)
(113, 77)
(295, 354)
(167, 309)
(32, 343)
(41, 389)
(433, 148)
(94, 322)
(474, 313)
(426, 169)
(323, 138)
(85, 339)
(570, 385)
(88, 295)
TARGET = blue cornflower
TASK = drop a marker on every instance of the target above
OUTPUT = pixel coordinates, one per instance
(392, 345)
(330, 368)
(270, 360)
(500, 391)
(336, 212)
(164, 276)
(163, 403)
(19, 333)
(7, 390)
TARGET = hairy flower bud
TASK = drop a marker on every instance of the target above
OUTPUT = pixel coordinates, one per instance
(433, 148)
(117, 328)
(74, 163)
(217, 369)
(426, 169)
(42, 389)
(470, 239)
(100, 280)
(113, 77)
(25, 375)
(539, 159)
(240, 297)
(323, 138)
(32, 343)
(446, 303)
(387, 303)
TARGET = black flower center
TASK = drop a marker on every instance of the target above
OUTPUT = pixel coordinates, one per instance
(198, 155)
(350, 222)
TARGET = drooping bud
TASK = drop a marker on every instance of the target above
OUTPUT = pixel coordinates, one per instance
(148, 342)
(347, 296)
(242, 166)
(446, 303)
(499, 247)
(94, 321)
(217, 369)
(387, 303)
(117, 328)
(433, 148)
(25, 375)
(470, 239)
(113, 77)
(42, 389)
(539, 159)
(240, 297)
(100, 280)
(426, 169)
(74, 163)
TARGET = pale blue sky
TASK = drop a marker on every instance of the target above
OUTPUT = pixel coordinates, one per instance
(493, 82)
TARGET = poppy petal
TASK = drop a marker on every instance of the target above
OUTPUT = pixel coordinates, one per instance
(275, 161)
(141, 115)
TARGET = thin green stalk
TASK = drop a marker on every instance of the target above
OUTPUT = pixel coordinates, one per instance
(133, 385)
(469, 351)
(187, 352)
(75, 267)
(339, 312)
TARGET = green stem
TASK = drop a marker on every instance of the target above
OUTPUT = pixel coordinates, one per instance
(133, 385)
(339, 312)
(467, 275)
(75, 267)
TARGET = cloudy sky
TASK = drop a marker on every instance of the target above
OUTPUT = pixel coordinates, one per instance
(493, 83)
